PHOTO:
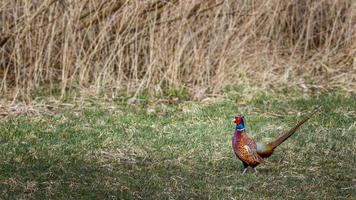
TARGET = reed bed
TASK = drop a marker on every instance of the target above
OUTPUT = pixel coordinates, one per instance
(157, 45)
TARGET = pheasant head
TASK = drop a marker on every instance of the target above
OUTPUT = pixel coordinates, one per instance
(240, 124)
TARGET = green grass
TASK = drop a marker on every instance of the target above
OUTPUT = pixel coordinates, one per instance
(180, 151)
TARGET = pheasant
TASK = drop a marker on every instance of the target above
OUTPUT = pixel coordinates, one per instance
(252, 153)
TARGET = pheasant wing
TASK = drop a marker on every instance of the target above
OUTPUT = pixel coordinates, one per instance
(249, 153)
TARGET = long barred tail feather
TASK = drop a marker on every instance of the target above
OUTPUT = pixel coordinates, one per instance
(289, 133)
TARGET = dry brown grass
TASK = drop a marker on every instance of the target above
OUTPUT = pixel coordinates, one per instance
(154, 44)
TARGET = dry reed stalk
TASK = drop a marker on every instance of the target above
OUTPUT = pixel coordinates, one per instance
(156, 45)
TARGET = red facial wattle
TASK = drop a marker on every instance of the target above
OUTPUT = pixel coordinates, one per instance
(238, 120)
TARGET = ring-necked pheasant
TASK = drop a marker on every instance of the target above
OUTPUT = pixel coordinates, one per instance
(252, 153)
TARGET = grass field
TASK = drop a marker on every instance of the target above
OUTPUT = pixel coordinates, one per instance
(162, 150)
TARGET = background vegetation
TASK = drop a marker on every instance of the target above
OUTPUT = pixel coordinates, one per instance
(157, 45)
